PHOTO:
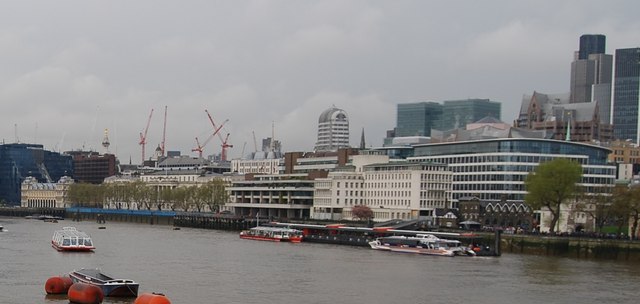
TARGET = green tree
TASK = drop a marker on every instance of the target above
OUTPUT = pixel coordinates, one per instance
(629, 208)
(147, 196)
(551, 185)
(188, 197)
(199, 196)
(135, 192)
(216, 194)
(634, 195)
(177, 198)
(86, 195)
(599, 206)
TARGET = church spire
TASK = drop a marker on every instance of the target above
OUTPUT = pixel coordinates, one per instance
(362, 143)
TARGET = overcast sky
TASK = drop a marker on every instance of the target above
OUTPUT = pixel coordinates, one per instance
(70, 69)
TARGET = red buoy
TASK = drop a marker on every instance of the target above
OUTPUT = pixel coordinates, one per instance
(85, 294)
(152, 298)
(58, 285)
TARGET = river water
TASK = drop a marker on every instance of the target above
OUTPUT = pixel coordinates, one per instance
(198, 266)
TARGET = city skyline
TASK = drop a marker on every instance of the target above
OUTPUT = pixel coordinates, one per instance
(73, 69)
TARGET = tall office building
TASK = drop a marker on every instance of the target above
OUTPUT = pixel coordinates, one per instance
(19, 161)
(591, 75)
(93, 167)
(626, 98)
(591, 44)
(458, 113)
(417, 119)
(333, 130)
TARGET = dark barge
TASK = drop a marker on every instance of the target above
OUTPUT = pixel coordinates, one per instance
(488, 245)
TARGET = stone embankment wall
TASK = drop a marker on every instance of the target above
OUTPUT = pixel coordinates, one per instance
(581, 248)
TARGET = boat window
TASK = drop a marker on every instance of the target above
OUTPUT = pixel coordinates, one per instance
(66, 242)
(87, 242)
(74, 241)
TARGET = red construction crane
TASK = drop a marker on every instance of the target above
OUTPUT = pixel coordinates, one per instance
(164, 130)
(225, 144)
(143, 135)
(199, 147)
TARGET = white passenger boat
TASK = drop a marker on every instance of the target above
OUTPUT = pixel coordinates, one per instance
(70, 239)
(421, 244)
(274, 234)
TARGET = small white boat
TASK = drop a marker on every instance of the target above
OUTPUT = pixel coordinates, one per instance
(70, 239)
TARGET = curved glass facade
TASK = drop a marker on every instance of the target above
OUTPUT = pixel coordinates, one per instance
(496, 169)
(18, 161)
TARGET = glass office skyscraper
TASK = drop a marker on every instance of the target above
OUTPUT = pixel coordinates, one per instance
(458, 113)
(417, 119)
(591, 75)
(591, 44)
(626, 97)
(18, 161)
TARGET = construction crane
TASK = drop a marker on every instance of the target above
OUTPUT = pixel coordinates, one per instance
(143, 135)
(255, 143)
(164, 130)
(243, 146)
(199, 146)
(225, 144)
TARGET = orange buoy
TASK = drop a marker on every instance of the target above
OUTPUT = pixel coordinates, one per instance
(152, 298)
(57, 285)
(85, 294)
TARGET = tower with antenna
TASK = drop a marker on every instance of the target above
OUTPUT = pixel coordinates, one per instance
(105, 141)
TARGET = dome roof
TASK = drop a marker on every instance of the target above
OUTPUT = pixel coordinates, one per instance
(332, 113)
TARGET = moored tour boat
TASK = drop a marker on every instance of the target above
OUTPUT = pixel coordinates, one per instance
(274, 234)
(422, 244)
(70, 239)
(110, 287)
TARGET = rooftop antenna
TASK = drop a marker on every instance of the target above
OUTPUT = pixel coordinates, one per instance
(15, 130)
(272, 144)
(164, 130)
(568, 137)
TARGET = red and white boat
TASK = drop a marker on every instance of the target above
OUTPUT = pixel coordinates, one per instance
(70, 239)
(274, 234)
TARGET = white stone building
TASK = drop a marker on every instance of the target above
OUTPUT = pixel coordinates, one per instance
(399, 190)
(45, 195)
